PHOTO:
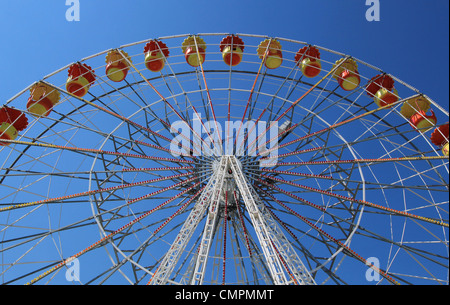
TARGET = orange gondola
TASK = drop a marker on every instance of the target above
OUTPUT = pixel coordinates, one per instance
(271, 50)
(42, 99)
(117, 65)
(194, 50)
(414, 104)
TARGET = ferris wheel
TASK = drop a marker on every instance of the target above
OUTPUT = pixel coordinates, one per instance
(223, 159)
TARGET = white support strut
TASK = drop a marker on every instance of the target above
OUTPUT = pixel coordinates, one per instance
(208, 232)
(171, 258)
(271, 238)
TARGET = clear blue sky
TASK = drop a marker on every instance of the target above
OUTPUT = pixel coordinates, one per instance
(411, 41)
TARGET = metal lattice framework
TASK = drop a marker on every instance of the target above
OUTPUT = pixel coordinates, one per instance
(345, 191)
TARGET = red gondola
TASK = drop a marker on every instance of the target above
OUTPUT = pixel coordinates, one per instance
(155, 53)
(232, 48)
(440, 136)
(310, 63)
(11, 122)
(81, 77)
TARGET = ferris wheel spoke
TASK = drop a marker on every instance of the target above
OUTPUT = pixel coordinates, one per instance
(268, 232)
(345, 198)
(149, 241)
(162, 190)
(337, 219)
(375, 185)
(106, 238)
(339, 124)
(349, 251)
(291, 88)
(122, 118)
(241, 221)
(249, 106)
(93, 192)
(147, 108)
(167, 265)
(415, 250)
(298, 152)
(225, 216)
(308, 255)
(190, 106)
(210, 103)
(419, 158)
(96, 151)
(252, 90)
(311, 89)
(300, 149)
(252, 106)
(412, 247)
(165, 100)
